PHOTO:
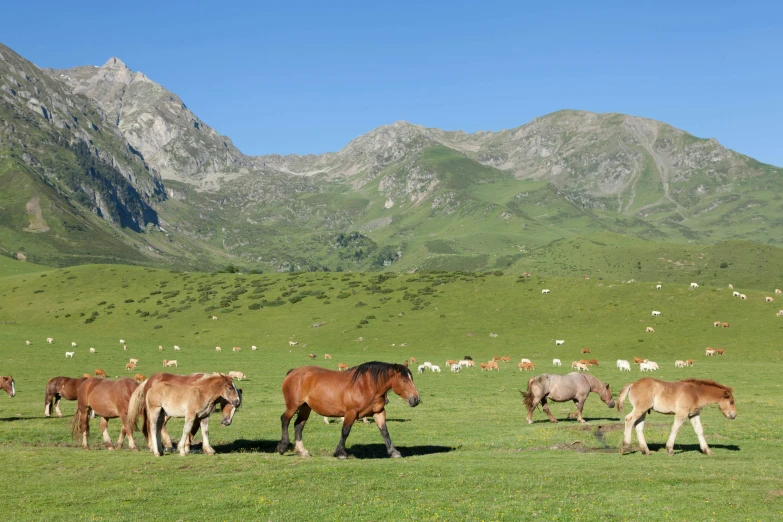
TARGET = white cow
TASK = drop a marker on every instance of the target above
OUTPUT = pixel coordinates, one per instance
(69, 354)
(218, 348)
(435, 368)
(122, 341)
(556, 362)
(735, 294)
(422, 368)
(679, 364)
(50, 340)
(623, 365)
(694, 285)
(176, 348)
(73, 344)
(743, 296)
(92, 350)
(647, 367)
(558, 342)
(427, 364)
(293, 343)
(656, 313)
(768, 299)
(455, 368)
(134, 361)
(778, 291)
(28, 343)
(545, 291)
(524, 360)
(657, 287)
(254, 347)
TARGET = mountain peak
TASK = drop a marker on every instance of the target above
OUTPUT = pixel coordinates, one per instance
(115, 63)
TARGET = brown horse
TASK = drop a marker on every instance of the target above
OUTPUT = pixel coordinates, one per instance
(684, 399)
(560, 388)
(108, 400)
(137, 405)
(357, 393)
(7, 384)
(61, 388)
(194, 401)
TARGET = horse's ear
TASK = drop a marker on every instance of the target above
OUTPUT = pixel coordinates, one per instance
(607, 385)
(726, 394)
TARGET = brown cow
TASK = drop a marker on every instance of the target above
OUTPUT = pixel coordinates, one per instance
(725, 325)
(493, 365)
(505, 359)
(312, 355)
(130, 366)
(484, 366)
(99, 373)
(327, 356)
(592, 362)
(636, 360)
(342, 367)
(720, 351)
(139, 377)
(496, 357)
(413, 360)
(689, 362)
(451, 362)
(526, 366)
(585, 350)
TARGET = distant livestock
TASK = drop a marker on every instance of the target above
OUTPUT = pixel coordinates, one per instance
(122, 341)
(312, 355)
(455, 368)
(768, 299)
(525, 360)
(28, 343)
(582, 367)
(326, 355)
(422, 368)
(528, 366)
(99, 373)
(493, 365)
(50, 340)
(648, 366)
(214, 318)
(731, 286)
(716, 323)
(689, 362)
(720, 351)
(725, 325)
(176, 348)
(623, 365)
(743, 296)
(342, 367)
(558, 342)
(73, 344)
(679, 364)
(130, 366)
(778, 291)
(160, 348)
(170, 363)
(709, 352)
(585, 350)
(254, 348)
(556, 362)
(218, 349)
(134, 361)
(139, 377)
(735, 294)
(92, 350)
(236, 349)
(435, 368)
(656, 313)
(505, 359)
(694, 285)
(293, 343)
(545, 291)
(69, 354)
(484, 366)
(650, 329)
(237, 375)
(657, 287)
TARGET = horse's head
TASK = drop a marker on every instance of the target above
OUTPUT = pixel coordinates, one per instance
(7, 383)
(606, 395)
(229, 409)
(230, 392)
(726, 404)
(402, 384)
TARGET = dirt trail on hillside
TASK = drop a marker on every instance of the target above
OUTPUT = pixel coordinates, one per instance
(37, 223)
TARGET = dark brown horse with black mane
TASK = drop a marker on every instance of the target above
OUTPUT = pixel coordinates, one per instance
(61, 388)
(560, 388)
(227, 408)
(107, 399)
(7, 384)
(354, 394)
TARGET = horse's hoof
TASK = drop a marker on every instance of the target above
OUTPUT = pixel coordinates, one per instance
(282, 448)
(304, 453)
(110, 448)
(342, 455)
(708, 452)
(395, 454)
(209, 451)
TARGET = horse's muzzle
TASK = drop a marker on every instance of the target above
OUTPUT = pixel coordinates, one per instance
(610, 404)
(414, 401)
(226, 422)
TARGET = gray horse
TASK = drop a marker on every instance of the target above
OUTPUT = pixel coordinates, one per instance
(560, 388)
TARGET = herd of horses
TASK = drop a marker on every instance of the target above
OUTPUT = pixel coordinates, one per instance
(357, 393)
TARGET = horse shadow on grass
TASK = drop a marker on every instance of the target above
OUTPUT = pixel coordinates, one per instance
(378, 451)
(247, 446)
(12, 419)
(682, 448)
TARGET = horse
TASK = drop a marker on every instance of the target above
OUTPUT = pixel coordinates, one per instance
(357, 393)
(684, 399)
(623, 365)
(108, 400)
(7, 384)
(193, 398)
(560, 388)
(650, 329)
(69, 354)
(61, 388)
(679, 364)
(227, 408)
(328, 356)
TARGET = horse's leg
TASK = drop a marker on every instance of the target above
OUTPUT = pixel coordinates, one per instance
(105, 430)
(285, 420)
(299, 424)
(678, 420)
(348, 420)
(128, 429)
(155, 423)
(696, 423)
(640, 434)
(48, 403)
(580, 403)
(206, 448)
(380, 421)
(545, 407)
(122, 435)
(184, 442)
(630, 419)
(84, 427)
(165, 437)
(57, 398)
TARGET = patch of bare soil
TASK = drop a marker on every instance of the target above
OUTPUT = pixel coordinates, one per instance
(37, 223)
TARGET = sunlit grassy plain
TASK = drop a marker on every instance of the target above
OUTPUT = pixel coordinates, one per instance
(468, 452)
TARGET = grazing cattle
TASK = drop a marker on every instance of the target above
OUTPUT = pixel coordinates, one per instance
(731, 286)
(636, 360)
(585, 350)
(86, 376)
(176, 348)
(657, 287)
(528, 366)
(586, 277)
(685, 399)
(679, 364)
(735, 294)
(450, 363)
(427, 364)
(647, 367)
(505, 359)
(624, 365)
(236, 349)
(694, 285)
(493, 335)
(413, 360)
(130, 366)
(160, 348)
(656, 313)
(650, 329)
(50, 340)
(124, 347)
(293, 343)
(709, 352)
(720, 351)
(780, 313)
(495, 358)
(545, 291)
(214, 318)
(493, 365)
(778, 291)
(134, 361)
(455, 368)
(170, 363)
(556, 362)
(716, 323)
(422, 368)
(237, 375)
(582, 367)
(28, 343)
(562, 388)
(99, 373)
(73, 344)
(342, 367)
(435, 368)
(768, 299)
(92, 350)
(584, 361)
(122, 341)
(312, 355)
(69, 354)
(328, 356)
(743, 296)
(524, 360)
(725, 325)
(484, 366)
(139, 377)
(218, 349)
(108, 400)
(689, 362)
(558, 342)
(467, 363)
(592, 362)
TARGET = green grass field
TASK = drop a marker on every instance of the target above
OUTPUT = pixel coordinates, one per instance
(468, 452)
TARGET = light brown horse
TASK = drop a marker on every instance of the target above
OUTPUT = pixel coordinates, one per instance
(7, 384)
(193, 397)
(560, 388)
(684, 399)
(108, 400)
(61, 388)
(357, 393)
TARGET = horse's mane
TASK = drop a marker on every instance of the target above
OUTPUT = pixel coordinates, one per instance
(594, 381)
(378, 370)
(709, 382)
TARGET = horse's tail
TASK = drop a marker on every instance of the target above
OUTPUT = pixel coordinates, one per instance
(527, 396)
(75, 427)
(621, 396)
(136, 405)
(289, 371)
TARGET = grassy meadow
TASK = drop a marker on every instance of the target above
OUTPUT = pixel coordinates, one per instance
(468, 452)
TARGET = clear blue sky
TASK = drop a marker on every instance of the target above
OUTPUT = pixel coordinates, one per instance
(307, 77)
